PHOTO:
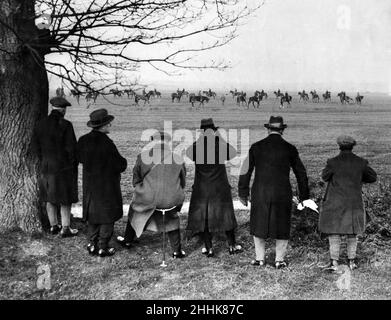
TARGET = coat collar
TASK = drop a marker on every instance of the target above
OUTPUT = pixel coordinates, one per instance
(57, 114)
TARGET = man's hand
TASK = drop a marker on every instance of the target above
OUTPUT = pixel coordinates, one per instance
(244, 201)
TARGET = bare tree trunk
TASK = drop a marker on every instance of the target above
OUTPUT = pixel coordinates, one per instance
(23, 101)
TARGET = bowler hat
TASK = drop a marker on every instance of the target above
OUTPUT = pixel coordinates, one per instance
(346, 141)
(59, 102)
(99, 117)
(275, 123)
(208, 124)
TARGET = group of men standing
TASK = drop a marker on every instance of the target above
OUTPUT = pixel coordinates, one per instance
(159, 179)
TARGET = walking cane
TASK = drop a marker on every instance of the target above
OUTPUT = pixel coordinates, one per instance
(163, 211)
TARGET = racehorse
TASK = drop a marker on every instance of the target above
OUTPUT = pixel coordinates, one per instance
(201, 99)
(285, 98)
(157, 94)
(222, 99)
(92, 95)
(176, 95)
(60, 92)
(129, 92)
(241, 98)
(76, 93)
(210, 93)
(278, 94)
(116, 92)
(144, 97)
(254, 99)
(359, 98)
(303, 96)
(315, 96)
(327, 96)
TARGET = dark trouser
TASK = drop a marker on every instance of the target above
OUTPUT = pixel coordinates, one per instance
(173, 236)
(100, 234)
(206, 236)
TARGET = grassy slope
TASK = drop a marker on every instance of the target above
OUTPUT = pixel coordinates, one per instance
(136, 274)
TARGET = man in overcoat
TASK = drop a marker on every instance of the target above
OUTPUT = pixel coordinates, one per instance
(55, 144)
(159, 178)
(271, 192)
(211, 208)
(342, 210)
(102, 168)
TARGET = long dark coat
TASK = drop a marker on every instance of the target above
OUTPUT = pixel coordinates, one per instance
(271, 192)
(342, 210)
(55, 144)
(102, 167)
(211, 196)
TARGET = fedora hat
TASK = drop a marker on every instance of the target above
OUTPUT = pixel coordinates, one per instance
(275, 123)
(59, 102)
(208, 124)
(99, 117)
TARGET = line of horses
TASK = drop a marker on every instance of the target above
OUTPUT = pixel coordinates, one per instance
(204, 96)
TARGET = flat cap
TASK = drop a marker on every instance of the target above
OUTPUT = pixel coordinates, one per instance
(346, 141)
(59, 102)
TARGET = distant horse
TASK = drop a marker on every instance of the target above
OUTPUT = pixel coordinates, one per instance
(241, 99)
(116, 92)
(144, 97)
(76, 93)
(201, 99)
(176, 96)
(278, 94)
(341, 96)
(157, 94)
(315, 96)
(92, 95)
(263, 94)
(326, 96)
(129, 92)
(359, 98)
(303, 96)
(253, 100)
(210, 93)
(60, 92)
(287, 99)
(222, 99)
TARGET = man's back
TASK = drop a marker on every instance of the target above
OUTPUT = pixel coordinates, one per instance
(56, 143)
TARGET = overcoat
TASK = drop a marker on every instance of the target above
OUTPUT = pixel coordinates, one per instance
(55, 144)
(102, 167)
(158, 185)
(271, 192)
(342, 209)
(211, 197)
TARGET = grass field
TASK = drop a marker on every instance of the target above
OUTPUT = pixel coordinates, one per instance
(135, 274)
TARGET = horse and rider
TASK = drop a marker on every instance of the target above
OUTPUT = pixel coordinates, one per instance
(199, 98)
(285, 98)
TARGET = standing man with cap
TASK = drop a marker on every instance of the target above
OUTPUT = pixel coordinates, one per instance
(55, 144)
(271, 192)
(102, 167)
(342, 210)
(211, 208)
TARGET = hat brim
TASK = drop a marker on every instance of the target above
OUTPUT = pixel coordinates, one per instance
(107, 120)
(268, 126)
(209, 127)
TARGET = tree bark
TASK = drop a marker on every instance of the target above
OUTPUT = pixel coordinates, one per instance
(23, 101)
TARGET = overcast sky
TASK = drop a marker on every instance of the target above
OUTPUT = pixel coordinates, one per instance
(295, 44)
